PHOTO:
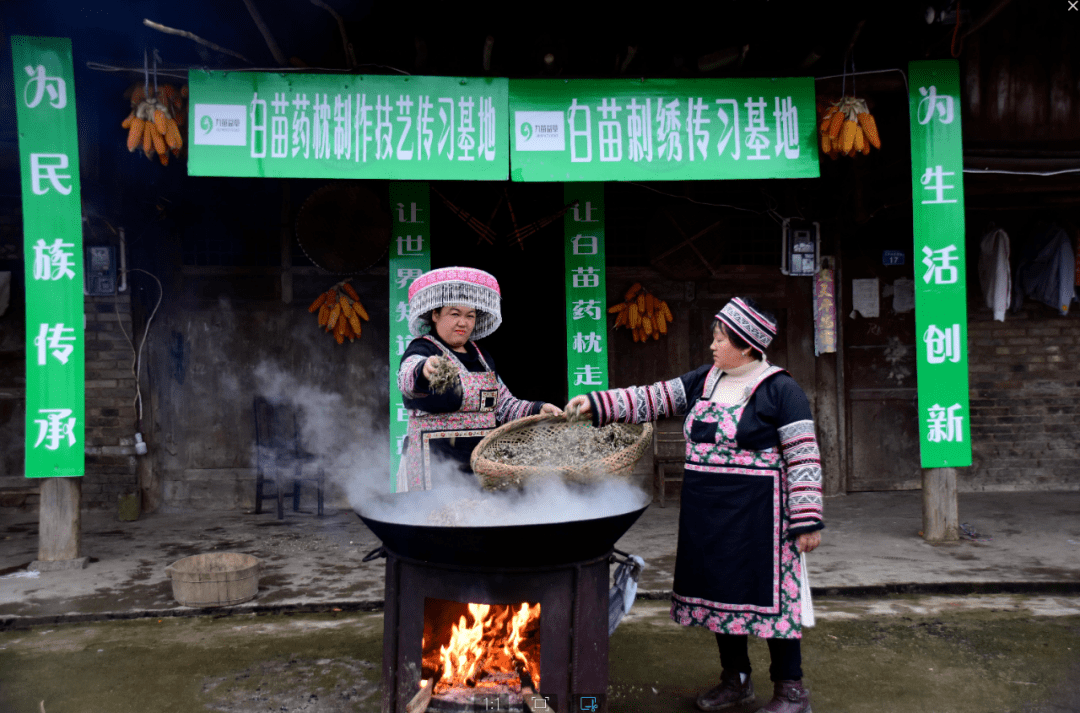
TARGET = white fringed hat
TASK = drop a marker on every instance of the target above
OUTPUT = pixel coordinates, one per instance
(455, 286)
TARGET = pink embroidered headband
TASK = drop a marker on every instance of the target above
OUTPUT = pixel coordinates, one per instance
(456, 286)
(754, 328)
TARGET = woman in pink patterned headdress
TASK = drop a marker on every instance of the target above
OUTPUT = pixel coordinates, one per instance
(449, 309)
(751, 501)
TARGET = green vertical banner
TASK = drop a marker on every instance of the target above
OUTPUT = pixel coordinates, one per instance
(52, 230)
(410, 257)
(937, 184)
(586, 336)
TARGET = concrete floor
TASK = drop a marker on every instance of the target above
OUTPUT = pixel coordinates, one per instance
(1027, 542)
(899, 653)
(982, 625)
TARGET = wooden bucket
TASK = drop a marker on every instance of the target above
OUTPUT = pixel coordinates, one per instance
(215, 579)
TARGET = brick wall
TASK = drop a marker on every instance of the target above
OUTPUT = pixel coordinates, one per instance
(1025, 388)
(110, 393)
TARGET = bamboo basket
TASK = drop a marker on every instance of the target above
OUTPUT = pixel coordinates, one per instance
(496, 475)
(215, 579)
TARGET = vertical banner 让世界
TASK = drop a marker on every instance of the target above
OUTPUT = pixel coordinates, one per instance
(410, 257)
(585, 268)
(937, 179)
(52, 229)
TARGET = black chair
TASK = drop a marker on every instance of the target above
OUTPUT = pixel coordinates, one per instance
(279, 456)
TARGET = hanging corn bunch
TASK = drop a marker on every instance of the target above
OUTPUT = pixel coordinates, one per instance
(848, 128)
(643, 313)
(156, 120)
(340, 312)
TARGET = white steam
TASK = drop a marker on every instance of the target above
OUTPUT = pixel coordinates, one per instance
(356, 455)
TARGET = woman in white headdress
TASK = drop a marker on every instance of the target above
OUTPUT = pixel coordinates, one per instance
(450, 308)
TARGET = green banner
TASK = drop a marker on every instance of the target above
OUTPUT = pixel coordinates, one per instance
(347, 126)
(410, 257)
(52, 229)
(662, 129)
(586, 301)
(937, 184)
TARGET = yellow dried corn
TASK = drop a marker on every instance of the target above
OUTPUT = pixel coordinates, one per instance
(335, 314)
(666, 311)
(135, 131)
(634, 288)
(622, 318)
(621, 307)
(354, 322)
(641, 303)
(350, 291)
(656, 335)
(172, 135)
(319, 302)
(159, 144)
(646, 324)
(650, 304)
(345, 308)
(860, 140)
(126, 123)
(869, 126)
(159, 121)
(661, 323)
(360, 311)
(635, 317)
(866, 148)
(847, 136)
(826, 143)
(324, 314)
(637, 336)
(147, 142)
(837, 122)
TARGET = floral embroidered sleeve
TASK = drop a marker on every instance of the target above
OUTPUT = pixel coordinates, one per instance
(409, 376)
(640, 404)
(799, 448)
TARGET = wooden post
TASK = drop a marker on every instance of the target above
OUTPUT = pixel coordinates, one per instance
(60, 526)
(941, 523)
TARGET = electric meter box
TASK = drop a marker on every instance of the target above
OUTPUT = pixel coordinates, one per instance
(801, 248)
(100, 270)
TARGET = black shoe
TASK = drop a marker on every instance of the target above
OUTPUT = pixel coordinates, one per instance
(731, 692)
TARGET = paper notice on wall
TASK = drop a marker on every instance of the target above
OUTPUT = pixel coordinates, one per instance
(903, 299)
(865, 297)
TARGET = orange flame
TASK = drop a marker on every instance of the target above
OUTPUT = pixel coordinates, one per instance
(491, 644)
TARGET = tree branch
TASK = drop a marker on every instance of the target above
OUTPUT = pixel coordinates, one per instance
(350, 55)
(184, 33)
(279, 57)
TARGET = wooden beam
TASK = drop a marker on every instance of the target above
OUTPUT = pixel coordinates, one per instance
(60, 525)
(941, 522)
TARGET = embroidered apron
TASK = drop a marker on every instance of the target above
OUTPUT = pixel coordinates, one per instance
(475, 418)
(736, 571)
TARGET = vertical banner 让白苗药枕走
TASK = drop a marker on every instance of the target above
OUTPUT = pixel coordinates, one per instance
(278, 125)
(586, 298)
(662, 129)
(410, 257)
(937, 178)
(52, 229)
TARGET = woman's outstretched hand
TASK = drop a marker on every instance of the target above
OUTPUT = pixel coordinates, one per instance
(578, 407)
(808, 541)
(550, 410)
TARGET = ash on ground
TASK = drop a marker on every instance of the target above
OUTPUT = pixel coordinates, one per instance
(571, 447)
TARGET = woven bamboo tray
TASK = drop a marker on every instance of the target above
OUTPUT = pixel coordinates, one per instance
(496, 475)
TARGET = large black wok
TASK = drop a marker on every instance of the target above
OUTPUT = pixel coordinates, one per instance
(499, 545)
